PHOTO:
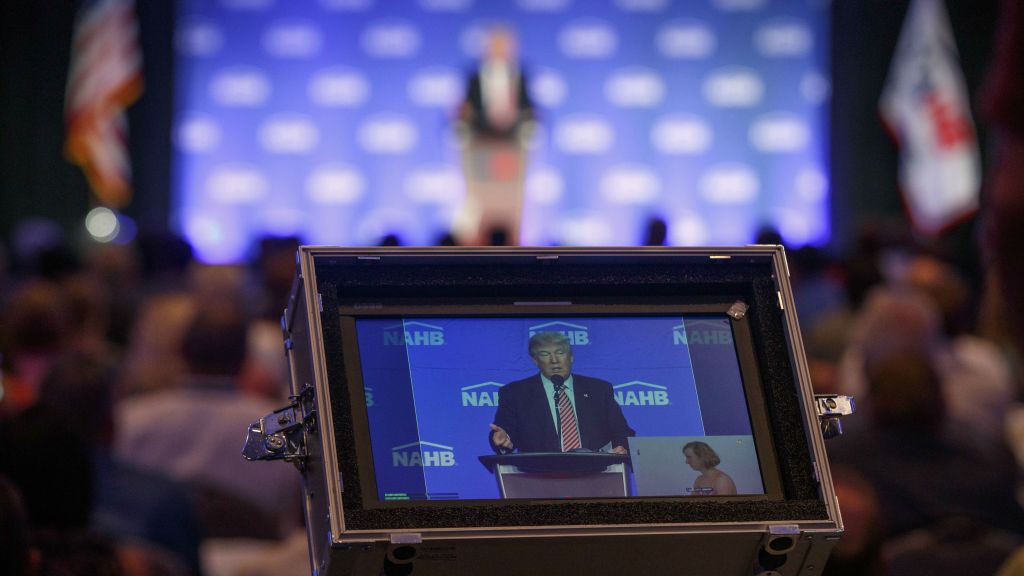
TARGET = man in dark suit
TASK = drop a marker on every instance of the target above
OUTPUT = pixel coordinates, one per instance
(556, 410)
(497, 102)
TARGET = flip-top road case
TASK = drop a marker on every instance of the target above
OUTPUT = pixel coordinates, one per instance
(403, 359)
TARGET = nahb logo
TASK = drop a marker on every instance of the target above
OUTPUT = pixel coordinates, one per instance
(483, 394)
(637, 393)
(578, 335)
(414, 334)
(702, 332)
(422, 454)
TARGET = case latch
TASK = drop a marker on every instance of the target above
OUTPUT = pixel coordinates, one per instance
(831, 408)
(280, 435)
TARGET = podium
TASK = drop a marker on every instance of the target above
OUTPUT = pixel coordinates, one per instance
(495, 170)
(560, 474)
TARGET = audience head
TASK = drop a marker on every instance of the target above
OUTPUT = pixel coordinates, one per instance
(34, 330)
(35, 320)
(164, 256)
(78, 392)
(447, 239)
(656, 232)
(498, 236)
(905, 391)
(768, 235)
(941, 283)
(215, 342)
(390, 240)
(153, 360)
(51, 466)
(275, 270)
(896, 321)
(89, 312)
(859, 551)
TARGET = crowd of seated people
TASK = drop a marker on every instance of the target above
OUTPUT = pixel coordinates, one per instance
(928, 455)
(129, 377)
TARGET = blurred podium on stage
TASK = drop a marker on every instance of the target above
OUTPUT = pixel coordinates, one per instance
(495, 122)
(495, 171)
(560, 474)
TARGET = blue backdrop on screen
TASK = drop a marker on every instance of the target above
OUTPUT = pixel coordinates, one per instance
(331, 119)
(435, 387)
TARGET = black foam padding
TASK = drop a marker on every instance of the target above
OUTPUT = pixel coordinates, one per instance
(348, 281)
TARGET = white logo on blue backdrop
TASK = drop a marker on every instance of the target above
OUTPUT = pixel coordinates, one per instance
(436, 87)
(414, 334)
(578, 334)
(681, 134)
(642, 5)
(292, 40)
(635, 88)
(734, 88)
(197, 134)
(446, 5)
(339, 87)
(347, 5)
(639, 393)
(731, 183)
(482, 394)
(199, 38)
(588, 39)
(338, 184)
(289, 134)
(237, 184)
(243, 86)
(584, 134)
(543, 5)
(423, 454)
(784, 39)
(630, 184)
(388, 134)
(545, 186)
(391, 40)
(702, 332)
(686, 39)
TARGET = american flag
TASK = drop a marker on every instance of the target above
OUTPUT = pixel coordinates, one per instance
(105, 78)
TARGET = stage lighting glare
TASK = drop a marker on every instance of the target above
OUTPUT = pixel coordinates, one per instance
(102, 224)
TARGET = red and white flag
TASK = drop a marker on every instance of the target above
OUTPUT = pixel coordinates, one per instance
(105, 78)
(926, 106)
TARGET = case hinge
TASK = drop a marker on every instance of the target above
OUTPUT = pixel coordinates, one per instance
(831, 408)
(280, 435)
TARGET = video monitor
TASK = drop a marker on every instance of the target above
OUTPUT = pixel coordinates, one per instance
(668, 389)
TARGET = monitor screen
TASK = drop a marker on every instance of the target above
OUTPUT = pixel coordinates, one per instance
(476, 408)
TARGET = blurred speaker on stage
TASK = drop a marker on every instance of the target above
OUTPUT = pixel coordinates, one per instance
(495, 121)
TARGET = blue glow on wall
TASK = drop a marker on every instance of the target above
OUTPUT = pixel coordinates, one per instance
(331, 119)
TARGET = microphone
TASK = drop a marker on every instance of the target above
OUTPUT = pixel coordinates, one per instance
(558, 380)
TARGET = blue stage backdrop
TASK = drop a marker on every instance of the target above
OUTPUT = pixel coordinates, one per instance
(331, 119)
(433, 387)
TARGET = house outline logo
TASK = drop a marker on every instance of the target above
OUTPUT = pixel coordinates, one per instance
(577, 334)
(476, 395)
(413, 454)
(704, 331)
(626, 394)
(413, 333)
